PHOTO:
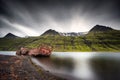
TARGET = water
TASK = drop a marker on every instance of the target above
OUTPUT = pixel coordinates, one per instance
(80, 65)
(8, 52)
(83, 65)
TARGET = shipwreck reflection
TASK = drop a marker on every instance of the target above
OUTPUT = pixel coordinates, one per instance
(57, 64)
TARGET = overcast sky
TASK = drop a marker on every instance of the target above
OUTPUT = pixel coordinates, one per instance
(33, 17)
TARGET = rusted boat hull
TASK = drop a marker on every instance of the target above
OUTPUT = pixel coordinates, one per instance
(41, 51)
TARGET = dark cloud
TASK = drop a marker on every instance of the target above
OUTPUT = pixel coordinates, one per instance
(62, 15)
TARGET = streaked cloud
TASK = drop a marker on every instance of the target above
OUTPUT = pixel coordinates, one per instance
(33, 17)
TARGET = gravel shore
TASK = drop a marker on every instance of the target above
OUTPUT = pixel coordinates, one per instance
(21, 68)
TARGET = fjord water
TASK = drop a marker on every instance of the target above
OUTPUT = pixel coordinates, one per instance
(7, 53)
(80, 65)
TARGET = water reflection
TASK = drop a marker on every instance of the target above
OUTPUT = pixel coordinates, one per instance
(106, 68)
(70, 64)
(57, 63)
(64, 63)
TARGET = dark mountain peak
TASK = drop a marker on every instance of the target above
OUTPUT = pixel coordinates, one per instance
(10, 35)
(50, 32)
(100, 28)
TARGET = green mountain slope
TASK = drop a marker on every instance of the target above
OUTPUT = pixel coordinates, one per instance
(101, 38)
(94, 41)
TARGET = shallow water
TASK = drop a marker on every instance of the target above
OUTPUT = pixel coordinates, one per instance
(80, 65)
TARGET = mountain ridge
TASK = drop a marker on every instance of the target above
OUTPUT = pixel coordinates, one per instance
(100, 28)
(10, 35)
(50, 32)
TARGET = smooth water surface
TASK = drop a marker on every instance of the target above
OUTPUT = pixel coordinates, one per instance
(8, 52)
(83, 65)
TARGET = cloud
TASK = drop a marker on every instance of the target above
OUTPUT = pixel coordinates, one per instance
(33, 17)
(24, 29)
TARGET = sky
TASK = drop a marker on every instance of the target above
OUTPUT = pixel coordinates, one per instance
(33, 17)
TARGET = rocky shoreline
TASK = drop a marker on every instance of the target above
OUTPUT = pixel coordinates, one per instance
(22, 68)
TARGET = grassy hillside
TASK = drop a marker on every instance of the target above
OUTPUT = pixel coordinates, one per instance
(99, 41)
(104, 41)
(59, 43)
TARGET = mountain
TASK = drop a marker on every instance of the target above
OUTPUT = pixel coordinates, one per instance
(73, 34)
(100, 28)
(95, 29)
(50, 32)
(10, 35)
(104, 39)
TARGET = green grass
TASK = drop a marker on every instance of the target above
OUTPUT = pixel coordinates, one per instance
(101, 41)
